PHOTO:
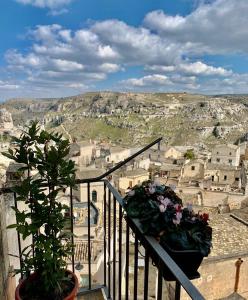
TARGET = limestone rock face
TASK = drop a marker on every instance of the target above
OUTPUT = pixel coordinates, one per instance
(6, 122)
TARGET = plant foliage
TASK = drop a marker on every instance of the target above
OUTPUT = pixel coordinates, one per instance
(162, 215)
(47, 173)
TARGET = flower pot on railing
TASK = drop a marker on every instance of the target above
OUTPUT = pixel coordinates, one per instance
(69, 291)
(184, 234)
(187, 260)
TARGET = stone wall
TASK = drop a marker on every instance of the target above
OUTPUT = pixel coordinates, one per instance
(7, 283)
(218, 277)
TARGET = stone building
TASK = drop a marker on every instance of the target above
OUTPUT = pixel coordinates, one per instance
(82, 153)
(6, 122)
(117, 154)
(193, 169)
(227, 262)
(244, 176)
(227, 154)
(221, 178)
(132, 178)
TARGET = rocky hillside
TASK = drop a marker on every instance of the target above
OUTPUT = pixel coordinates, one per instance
(137, 118)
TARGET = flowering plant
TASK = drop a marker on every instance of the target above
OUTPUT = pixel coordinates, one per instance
(162, 215)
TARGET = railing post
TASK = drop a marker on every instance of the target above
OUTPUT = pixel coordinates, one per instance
(89, 240)
(114, 246)
(120, 251)
(72, 229)
(146, 275)
(109, 243)
(178, 291)
(135, 286)
(105, 234)
(127, 261)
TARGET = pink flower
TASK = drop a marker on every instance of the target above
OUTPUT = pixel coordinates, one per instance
(162, 208)
(178, 207)
(166, 202)
(152, 190)
(178, 218)
(160, 198)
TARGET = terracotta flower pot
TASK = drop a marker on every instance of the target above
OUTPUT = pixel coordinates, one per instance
(71, 296)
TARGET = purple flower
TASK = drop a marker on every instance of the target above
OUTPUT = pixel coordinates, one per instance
(152, 190)
(162, 208)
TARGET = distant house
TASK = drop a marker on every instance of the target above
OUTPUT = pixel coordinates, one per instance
(172, 152)
(193, 169)
(226, 154)
(82, 153)
(118, 154)
(219, 177)
(132, 178)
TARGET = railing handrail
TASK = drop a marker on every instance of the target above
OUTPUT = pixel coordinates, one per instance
(98, 178)
(161, 252)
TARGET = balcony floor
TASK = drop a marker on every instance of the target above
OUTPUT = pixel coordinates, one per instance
(97, 295)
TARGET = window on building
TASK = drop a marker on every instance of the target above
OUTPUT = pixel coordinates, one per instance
(230, 161)
(212, 178)
(236, 179)
(192, 168)
(225, 177)
(230, 153)
(217, 159)
(217, 152)
(94, 196)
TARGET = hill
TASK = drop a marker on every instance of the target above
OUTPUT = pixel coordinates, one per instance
(137, 118)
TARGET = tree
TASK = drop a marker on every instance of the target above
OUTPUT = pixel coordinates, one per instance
(189, 154)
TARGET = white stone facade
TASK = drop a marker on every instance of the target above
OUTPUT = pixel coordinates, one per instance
(226, 155)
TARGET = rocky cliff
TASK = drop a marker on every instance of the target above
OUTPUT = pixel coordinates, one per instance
(137, 118)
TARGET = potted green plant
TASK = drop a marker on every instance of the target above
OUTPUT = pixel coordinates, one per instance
(184, 234)
(47, 172)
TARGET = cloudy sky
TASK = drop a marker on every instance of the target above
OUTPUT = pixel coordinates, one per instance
(53, 48)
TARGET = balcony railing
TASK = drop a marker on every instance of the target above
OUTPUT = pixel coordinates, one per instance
(111, 252)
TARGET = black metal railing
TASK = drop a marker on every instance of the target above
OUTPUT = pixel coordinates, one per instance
(114, 263)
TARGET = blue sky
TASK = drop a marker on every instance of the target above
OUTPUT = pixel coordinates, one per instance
(54, 48)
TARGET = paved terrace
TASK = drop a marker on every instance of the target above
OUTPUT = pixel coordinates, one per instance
(229, 235)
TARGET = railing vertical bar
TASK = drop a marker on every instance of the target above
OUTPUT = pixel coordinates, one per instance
(146, 275)
(127, 262)
(89, 246)
(72, 229)
(178, 290)
(114, 246)
(105, 234)
(135, 286)
(19, 241)
(109, 243)
(159, 282)
(120, 250)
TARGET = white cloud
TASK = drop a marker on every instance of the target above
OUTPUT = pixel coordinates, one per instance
(5, 85)
(146, 81)
(199, 68)
(195, 68)
(52, 4)
(218, 27)
(170, 50)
